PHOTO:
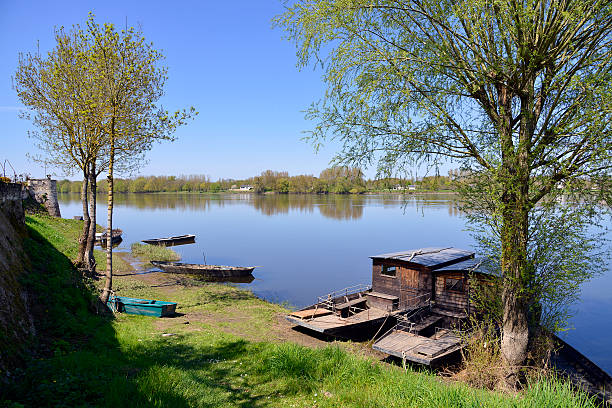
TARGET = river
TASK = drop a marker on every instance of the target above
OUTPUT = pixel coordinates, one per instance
(309, 245)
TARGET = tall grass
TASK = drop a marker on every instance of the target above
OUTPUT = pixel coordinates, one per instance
(212, 369)
(344, 379)
(146, 252)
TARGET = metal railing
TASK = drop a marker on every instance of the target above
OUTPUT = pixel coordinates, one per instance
(404, 322)
(3, 165)
(328, 301)
(419, 301)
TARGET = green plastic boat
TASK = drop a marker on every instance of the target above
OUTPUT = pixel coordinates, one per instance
(144, 307)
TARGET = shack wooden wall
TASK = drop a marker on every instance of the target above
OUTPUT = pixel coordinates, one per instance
(410, 281)
(389, 285)
(452, 300)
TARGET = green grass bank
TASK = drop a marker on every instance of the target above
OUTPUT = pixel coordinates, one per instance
(226, 348)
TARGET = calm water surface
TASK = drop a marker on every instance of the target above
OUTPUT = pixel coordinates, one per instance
(309, 245)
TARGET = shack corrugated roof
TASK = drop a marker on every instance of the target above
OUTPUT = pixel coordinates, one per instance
(469, 265)
(430, 257)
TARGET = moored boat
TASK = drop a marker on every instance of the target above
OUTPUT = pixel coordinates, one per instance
(116, 237)
(339, 312)
(403, 283)
(220, 271)
(171, 241)
(426, 298)
(144, 307)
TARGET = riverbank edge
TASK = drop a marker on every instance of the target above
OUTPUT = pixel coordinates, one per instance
(144, 356)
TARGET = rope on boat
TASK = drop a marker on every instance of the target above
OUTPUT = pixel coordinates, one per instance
(381, 326)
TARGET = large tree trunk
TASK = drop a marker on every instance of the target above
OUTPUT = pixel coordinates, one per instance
(515, 296)
(514, 179)
(108, 286)
(86, 222)
(90, 261)
(516, 276)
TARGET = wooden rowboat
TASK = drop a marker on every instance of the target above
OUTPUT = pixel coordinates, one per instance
(144, 307)
(115, 237)
(219, 271)
(171, 241)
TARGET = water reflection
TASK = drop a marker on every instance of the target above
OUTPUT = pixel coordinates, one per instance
(333, 206)
(236, 279)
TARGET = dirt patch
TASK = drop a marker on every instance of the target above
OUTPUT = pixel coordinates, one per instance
(260, 321)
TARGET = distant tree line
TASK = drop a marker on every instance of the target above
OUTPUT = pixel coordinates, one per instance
(337, 180)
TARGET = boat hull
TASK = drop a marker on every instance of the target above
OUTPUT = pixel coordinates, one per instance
(171, 241)
(143, 307)
(214, 271)
(337, 322)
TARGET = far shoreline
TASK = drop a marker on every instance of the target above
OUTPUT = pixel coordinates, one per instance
(399, 193)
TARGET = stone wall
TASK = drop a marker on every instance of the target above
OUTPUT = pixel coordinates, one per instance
(45, 192)
(16, 322)
(11, 196)
(11, 192)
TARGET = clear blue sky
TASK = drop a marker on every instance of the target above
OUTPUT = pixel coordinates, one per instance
(224, 58)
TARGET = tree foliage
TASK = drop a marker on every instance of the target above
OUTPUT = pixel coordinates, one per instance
(95, 100)
(130, 82)
(62, 96)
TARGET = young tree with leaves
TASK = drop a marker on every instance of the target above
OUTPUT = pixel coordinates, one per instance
(60, 93)
(518, 92)
(131, 82)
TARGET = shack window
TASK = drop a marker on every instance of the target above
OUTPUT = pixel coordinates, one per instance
(389, 270)
(454, 284)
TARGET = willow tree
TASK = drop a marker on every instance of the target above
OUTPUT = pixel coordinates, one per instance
(130, 80)
(517, 92)
(61, 95)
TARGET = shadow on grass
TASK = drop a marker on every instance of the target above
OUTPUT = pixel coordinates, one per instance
(205, 369)
(75, 352)
(79, 361)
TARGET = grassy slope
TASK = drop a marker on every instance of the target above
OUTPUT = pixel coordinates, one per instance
(127, 361)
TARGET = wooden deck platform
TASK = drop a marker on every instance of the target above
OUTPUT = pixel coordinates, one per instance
(331, 323)
(419, 349)
(310, 313)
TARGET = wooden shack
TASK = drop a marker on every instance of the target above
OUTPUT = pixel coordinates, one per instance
(441, 279)
(403, 280)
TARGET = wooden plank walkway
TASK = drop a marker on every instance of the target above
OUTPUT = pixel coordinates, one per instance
(417, 348)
